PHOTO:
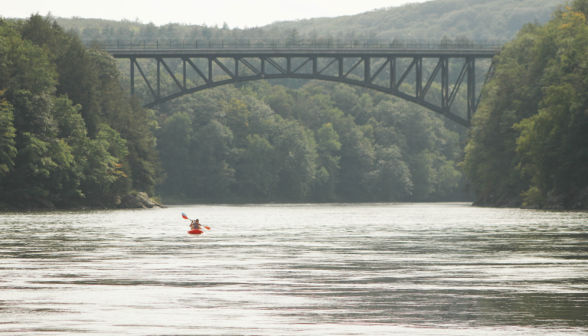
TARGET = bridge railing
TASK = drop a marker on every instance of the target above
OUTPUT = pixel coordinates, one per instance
(295, 44)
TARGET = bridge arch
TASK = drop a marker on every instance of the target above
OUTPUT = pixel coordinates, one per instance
(250, 65)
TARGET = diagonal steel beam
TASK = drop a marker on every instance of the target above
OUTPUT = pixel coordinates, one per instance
(328, 65)
(145, 79)
(247, 64)
(353, 67)
(457, 85)
(414, 61)
(433, 75)
(275, 65)
(197, 70)
(172, 75)
(379, 70)
(488, 76)
(222, 66)
(301, 65)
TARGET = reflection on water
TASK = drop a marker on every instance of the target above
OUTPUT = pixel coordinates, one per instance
(370, 269)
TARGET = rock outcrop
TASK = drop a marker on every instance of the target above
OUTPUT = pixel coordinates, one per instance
(140, 200)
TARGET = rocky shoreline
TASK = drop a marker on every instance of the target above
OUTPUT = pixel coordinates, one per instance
(139, 200)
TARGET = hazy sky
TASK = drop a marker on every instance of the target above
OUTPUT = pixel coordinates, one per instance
(236, 13)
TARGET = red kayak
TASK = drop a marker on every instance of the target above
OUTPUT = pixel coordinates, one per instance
(196, 232)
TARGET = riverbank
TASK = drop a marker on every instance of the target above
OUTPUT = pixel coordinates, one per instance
(138, 200)
(561, 201)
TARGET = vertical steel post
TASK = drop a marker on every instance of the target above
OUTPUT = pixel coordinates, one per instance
(158, 77)
(210, 69)
(392, 73)
(444, 82)
(366, 70)
(314, 66)
(132, 76)
(236, 67)
(288, 64)
(419, 77)
(184, 73)
(340, 67)
(471, 86)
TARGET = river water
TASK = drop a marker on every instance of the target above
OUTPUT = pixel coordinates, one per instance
(328, 269)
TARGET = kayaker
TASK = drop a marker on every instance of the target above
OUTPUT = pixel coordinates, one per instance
(195, 225)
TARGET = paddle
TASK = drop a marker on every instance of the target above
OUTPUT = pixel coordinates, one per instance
(186, 217)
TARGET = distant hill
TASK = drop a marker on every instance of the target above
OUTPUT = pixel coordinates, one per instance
(474, 19)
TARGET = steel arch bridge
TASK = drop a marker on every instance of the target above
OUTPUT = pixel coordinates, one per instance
(337, 64)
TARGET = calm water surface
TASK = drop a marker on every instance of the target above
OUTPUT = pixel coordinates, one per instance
(370, 269)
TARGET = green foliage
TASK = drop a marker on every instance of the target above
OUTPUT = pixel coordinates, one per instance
(257, 169)
(73, 138)
(528, 143)
(174, 141)
(390, 180)
(227, 144)
(328, 146)
(7, 134)
(479, 19)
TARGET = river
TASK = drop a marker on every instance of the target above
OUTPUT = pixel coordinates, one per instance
(298, 269)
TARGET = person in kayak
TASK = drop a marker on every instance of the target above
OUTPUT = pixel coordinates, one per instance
(195, 225)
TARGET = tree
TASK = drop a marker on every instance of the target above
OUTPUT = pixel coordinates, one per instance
(174, 144)
(328, 146)
(88, 141)
(390, 180)
(257, 176)
(7, 134)
(534, 115)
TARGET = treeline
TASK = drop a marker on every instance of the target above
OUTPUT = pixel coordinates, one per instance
(323, 142)
(68, 133)
(472, 19)
(479, 19)
(529, 141)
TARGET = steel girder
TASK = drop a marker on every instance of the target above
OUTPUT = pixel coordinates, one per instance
(342, 66)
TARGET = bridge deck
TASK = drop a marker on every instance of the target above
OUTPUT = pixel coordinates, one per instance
(291, 52)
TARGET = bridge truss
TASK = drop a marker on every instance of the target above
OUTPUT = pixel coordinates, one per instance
(365, 68)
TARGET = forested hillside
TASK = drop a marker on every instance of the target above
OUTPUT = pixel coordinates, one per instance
(529, 142)
(69, 133)
(323, 142)
(77, 136)
(473, 19)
